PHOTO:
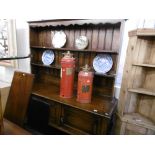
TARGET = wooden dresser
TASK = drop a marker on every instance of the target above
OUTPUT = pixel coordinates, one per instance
(68, 115)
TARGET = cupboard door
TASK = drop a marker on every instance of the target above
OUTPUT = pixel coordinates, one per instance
(55, 111)
(38, 113)
(78, 120)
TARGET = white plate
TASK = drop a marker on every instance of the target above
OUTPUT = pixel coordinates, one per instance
(47, 57)
(102, 63)
(59, 39)
(81, 42)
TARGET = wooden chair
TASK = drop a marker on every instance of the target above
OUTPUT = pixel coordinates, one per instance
(17, 103)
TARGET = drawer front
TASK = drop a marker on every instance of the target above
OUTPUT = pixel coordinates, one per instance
(79, 120)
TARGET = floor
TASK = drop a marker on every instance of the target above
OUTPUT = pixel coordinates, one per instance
(13, 129)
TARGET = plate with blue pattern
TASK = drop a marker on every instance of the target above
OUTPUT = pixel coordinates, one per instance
(47, 57)
(102, 63)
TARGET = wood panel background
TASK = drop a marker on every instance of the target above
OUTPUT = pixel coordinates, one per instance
(100, 37)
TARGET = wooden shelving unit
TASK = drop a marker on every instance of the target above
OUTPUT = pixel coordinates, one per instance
(136, 107)
(68, 115)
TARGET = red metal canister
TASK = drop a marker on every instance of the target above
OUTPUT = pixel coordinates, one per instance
(85, 80)
(67, 75)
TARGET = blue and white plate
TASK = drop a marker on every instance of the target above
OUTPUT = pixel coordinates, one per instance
(102, 63)
(47, 57)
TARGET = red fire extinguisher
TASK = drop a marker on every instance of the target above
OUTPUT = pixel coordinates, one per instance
(85, 80)
(67, 75)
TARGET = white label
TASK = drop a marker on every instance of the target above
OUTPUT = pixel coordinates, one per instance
(61, 73)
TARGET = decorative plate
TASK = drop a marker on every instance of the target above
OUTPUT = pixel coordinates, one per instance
(81, 42)
(59, 39)
(102, 63)
(47, 57)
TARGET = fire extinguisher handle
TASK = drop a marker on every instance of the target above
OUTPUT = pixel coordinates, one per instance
(68, 54)
(86, 68)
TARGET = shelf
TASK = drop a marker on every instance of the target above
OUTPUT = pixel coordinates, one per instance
(109, 75)
(75, 50)
(138, 119)
(142, 91)
(46, 66)
(102, 106)
(145, 32)
(145, 65)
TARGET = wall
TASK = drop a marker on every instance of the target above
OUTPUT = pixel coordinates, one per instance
(6, 73)
(22, 35)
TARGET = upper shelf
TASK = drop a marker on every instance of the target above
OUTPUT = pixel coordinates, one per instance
(71, 49)
(143, 32)
(142, 91)
(145, 65)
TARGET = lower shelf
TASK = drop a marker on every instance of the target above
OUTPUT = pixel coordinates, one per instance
(138, 119)
(134, 124)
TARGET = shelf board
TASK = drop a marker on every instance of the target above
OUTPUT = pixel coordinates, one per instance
(145, 32)
(145, 65)
(102, 106)
(142, 91)
(47, 66)
(112, 75)
(75, 50)
(109, 75)
(138, 119)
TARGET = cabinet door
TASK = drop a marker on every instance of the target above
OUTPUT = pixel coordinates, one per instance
(38, 113)
(79, 121)
(55, 112)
